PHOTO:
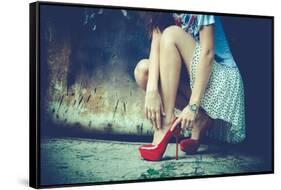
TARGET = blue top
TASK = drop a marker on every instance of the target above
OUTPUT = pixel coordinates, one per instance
(192, 23)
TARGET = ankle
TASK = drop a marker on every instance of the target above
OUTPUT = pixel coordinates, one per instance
(195, 136)
(168, 119)
(196, 130)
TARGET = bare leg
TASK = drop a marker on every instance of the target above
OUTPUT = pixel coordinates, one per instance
(141, 73)
(200, 122)
(175, 43)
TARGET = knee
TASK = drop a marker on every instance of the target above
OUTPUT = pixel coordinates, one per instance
(169, 35)
(141, 73)
(141, 70)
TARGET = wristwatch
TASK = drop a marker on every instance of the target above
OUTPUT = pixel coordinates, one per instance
(193, 107)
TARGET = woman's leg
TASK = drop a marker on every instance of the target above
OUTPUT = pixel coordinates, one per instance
(175, 44)
(141, 73)
(200, 122)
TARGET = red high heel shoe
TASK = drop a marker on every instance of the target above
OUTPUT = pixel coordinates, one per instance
(155, 152)
(190, 146)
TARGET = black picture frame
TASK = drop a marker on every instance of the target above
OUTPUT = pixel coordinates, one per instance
(35, 114)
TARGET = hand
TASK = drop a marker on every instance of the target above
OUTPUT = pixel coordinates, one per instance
(153, 108)
(186, 118)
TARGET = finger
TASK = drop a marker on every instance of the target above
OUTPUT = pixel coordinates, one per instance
(176, 123)
(158, 119)
(153, 118)
(183, 122)
(153, 126)
(189, 126)
(146, 113)
(149, 117)
(190, 123)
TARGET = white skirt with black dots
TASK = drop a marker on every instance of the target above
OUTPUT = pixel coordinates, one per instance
(223, 101)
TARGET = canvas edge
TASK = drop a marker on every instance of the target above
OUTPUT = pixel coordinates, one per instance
(34, 96)
(34, 171)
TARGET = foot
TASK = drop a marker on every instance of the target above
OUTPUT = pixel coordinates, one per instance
(159, 133)
(195, 133)
(198, 126)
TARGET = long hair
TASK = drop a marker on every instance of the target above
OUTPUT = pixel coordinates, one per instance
(153, 20)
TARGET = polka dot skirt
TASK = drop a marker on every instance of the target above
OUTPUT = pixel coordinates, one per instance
(223, 101)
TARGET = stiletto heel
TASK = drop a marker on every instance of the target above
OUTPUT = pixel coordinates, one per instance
(155, 152)
(177, 134)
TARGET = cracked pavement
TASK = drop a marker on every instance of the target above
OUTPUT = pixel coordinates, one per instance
(80, 160)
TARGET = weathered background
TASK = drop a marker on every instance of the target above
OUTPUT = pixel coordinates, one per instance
(87, 60)
(88, 90)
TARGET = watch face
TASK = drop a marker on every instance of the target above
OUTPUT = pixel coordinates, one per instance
(193, 107)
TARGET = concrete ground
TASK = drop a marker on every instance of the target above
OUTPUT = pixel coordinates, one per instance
(79, 160)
